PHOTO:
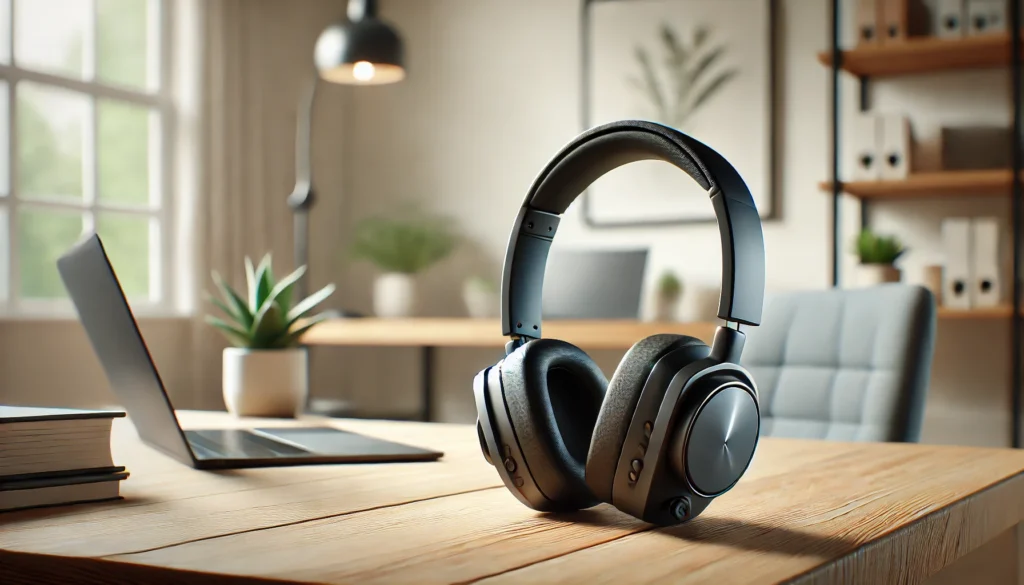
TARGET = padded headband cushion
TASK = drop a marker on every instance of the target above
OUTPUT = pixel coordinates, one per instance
(603, 149)
(554, 391)
(620, 402)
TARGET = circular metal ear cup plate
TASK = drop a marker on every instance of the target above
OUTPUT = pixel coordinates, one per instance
(722, 440)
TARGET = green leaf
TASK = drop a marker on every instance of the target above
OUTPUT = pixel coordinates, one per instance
(236, 336)
(291, 338)
(240, 312)
(258, 293)
(710, 89)
(267, 326)
(704, 63)
(286, 286)
(308, 303)
(677, 54)
(700, 35)
(222, 306)
(650, 85)
(250, 279)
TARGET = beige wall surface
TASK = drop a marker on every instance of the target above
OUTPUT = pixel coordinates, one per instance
(492, 94)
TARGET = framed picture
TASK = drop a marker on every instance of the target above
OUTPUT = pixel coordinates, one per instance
(705, 67)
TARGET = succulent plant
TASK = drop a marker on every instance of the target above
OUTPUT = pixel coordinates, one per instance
(873, 248)
(265, 318)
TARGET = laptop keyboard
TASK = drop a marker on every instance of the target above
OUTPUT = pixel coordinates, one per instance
(238, 444)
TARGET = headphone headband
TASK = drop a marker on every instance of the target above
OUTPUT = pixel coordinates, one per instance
(598, 151)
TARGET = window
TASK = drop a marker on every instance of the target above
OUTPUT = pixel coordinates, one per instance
(85, 144)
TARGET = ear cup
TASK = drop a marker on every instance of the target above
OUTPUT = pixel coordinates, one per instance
(554, 391)
(620, 403)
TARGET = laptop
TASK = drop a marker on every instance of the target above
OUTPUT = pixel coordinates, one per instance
(113, 332)
(593, 284)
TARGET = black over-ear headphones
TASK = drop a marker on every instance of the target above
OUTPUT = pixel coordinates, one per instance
(678, 423)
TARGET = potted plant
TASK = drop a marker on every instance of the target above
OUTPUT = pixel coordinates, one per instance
(877, 254)
(481, 297)
(265, 372)
(670, 289)
(401, 248)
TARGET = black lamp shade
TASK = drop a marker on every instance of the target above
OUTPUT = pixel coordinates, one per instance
(364, 52)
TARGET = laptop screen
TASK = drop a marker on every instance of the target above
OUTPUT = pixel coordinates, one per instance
(593, 284)
(115, 337)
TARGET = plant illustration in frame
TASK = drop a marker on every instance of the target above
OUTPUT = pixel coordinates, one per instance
(689, 76)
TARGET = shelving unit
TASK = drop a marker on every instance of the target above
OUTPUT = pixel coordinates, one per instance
(931, 185)
(925, 55)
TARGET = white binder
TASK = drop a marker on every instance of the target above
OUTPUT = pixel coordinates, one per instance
(986, 17)
(985, 277)
(956, 274)
(895, 147)
(864, 159)
(949, 16)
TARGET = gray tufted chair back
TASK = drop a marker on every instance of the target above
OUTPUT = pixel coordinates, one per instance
(846, 365)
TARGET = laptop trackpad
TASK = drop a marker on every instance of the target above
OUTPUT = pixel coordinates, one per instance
(331, 441)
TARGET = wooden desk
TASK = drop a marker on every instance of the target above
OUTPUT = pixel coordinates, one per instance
(428, 334)
(806, 512)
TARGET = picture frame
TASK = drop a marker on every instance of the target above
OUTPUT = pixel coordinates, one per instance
(626, 52)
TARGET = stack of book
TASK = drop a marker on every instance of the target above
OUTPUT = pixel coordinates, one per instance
(53, 456)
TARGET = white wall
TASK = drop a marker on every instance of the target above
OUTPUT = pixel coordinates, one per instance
(492, 93)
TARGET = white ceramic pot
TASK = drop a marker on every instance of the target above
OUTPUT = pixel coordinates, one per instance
(480, 303)
(875, 274)
(394, 295)
(665, 308)
(265, 382)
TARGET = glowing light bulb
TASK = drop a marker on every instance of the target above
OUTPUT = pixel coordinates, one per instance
(363, 71)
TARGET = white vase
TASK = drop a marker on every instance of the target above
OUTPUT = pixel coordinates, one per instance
(666, 308)
(875, 274)
(265, 382)
(480, 303)
(394, 295)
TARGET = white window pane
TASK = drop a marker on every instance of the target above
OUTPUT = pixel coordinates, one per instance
(123, 43)
(5, 32)
(126, 240)
(5, 256)
(123, 152)
(51, 125)
(43, 235)
(50, 35)
(5, 141)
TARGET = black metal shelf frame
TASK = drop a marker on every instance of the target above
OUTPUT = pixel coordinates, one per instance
(1015, 200)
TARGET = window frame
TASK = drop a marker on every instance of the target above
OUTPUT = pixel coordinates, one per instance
(162, 299)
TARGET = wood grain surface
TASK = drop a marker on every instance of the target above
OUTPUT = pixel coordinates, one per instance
(806, 512)
(929, 185)
(925, 54)
(610, 334)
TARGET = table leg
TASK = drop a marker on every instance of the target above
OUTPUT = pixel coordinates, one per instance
(426, 382)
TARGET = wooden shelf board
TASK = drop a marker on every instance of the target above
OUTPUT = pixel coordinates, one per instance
(455, 332)
(924, 55)
(932, 184)
(999, 312)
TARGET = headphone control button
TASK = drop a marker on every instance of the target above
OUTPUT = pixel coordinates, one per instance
(648, 427)
(518, 481)
(637, 465)
(633, 477)
(510, 464)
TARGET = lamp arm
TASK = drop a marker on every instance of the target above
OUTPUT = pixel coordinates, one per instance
(301, 198)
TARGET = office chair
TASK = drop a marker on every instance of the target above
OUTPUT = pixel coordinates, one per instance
(846, 365)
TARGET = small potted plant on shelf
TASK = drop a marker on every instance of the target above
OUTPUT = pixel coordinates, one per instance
(877, 254)
(401, 247)
(670, 289)
(265, 372)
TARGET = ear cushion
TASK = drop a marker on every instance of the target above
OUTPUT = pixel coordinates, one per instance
(620, 403)
(553, 392)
